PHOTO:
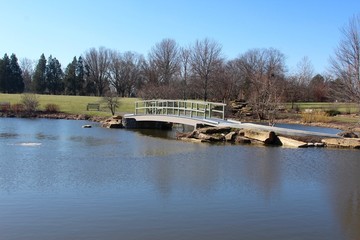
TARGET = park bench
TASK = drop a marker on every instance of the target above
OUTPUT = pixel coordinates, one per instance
(93, 106)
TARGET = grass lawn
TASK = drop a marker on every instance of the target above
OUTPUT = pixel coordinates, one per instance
(75, 104)
(344, 108)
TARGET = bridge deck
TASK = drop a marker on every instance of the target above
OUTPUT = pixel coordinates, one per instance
(194, 121)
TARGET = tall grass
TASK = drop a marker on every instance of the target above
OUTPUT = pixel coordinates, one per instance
(315, 116)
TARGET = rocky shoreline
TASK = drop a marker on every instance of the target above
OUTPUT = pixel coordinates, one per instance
(215, 134)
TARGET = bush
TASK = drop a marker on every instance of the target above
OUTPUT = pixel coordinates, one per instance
(52, 108)
(30, 102)
(5, 106)
(333, 112)
(315, 116)
(17, 108)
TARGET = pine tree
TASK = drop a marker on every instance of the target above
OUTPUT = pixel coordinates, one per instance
(70, 80)
(5, 74)
(54, 76)
(16, 82)
(39, 83)
(80, 76)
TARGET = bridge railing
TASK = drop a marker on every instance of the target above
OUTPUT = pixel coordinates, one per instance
(181, 108)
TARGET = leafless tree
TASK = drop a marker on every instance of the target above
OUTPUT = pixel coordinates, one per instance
(27, 67)
(264, 69)
(184, 69)
(97, 63)
(206, 58)
(303, 76)
(124, 72)
(112, 101)
(164, 57)
(345, 64)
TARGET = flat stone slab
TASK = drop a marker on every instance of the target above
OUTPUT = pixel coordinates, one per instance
(288, 142)
(342, 142)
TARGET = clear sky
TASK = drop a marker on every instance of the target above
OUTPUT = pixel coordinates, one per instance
(68, 28)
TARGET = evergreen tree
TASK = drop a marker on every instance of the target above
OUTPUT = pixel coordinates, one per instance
(80, 76)
(70, 79)
(5, 74)
(16, 82)
(39, 83)
(2, 79)
(54, 76)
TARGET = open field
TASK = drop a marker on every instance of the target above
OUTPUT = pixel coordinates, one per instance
(344, 108)
(75, 104)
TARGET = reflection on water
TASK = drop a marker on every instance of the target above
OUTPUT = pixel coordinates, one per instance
(118, 184)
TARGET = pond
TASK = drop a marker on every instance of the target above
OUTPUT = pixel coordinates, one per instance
(61, 181)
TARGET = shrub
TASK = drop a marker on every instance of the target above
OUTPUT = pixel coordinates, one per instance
(315, 116)
(17, 108)
(333, 112)
(5, 106)
(52, 108)
(30, 102)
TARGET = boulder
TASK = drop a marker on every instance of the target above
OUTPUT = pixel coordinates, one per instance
(257, 135)
(243, 140)
(289, 142)
(113, 122)
(273, 140)
(342, 142)
(230, 137)
(213, 130)
(348, 134)
(210, 138)
(269, 138)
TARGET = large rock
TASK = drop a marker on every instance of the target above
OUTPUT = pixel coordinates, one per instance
(230, 137)
(288, 142)
(113, 122)
(211, 138)
(342, 142)
(213, 130)
(257, 135)
(348, 134)
(242, 140)
(273, 140)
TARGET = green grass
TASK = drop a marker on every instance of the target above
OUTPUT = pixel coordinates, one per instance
(76, 104)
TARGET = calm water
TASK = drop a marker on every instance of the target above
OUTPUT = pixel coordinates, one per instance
(60, 181)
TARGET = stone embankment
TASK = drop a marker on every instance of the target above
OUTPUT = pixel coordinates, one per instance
(269, 138)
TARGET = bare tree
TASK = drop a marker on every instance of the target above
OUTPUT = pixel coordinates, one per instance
(164, 56)
(264, 69)
(206, 58)
(345, 64)
(303, 77)
(184, 69)
(27, 67)
(112, 101)
(97, 63)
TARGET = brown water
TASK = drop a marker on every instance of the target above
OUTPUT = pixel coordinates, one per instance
(60, 181)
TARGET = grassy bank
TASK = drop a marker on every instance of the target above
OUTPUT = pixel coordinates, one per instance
(343, 108)
(75, 104)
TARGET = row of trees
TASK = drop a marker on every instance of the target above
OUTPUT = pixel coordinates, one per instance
(198, 71)
(11, 80)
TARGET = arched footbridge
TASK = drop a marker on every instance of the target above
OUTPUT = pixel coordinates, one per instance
(196, 113)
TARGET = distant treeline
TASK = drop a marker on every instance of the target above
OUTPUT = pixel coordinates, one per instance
(198, 71)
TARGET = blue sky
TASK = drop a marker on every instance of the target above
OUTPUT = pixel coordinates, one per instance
(68, 28)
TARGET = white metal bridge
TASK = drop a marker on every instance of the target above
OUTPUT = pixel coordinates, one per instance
(195, 113)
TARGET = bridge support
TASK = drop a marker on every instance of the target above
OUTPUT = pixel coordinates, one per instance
(131, 123)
